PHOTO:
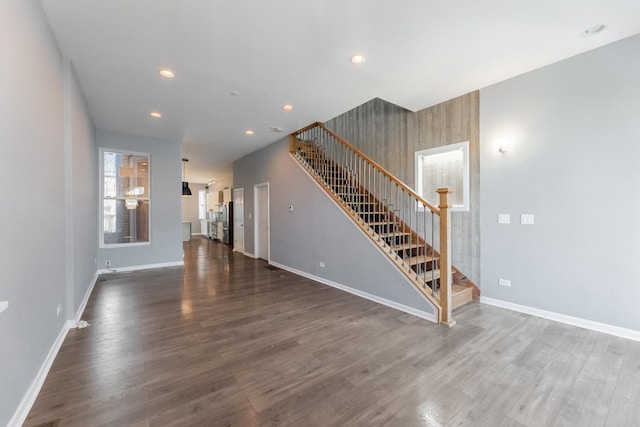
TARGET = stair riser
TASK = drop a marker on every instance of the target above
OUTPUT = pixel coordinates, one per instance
(396, 240)
(383, 228)
(408, 253)
(355, 198)
(373, 217)
(362, 207)
(344, 189)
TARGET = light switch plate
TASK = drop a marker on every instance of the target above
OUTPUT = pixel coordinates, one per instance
(504, 282)
(504, 218)
(526, 219)
(4, 305)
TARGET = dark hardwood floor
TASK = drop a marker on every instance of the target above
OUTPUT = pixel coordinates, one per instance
(230, 341)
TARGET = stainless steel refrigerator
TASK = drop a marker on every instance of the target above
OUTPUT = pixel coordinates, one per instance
(227, 223)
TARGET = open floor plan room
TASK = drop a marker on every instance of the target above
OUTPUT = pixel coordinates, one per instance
(230, 340)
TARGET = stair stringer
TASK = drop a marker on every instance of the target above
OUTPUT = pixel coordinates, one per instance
(381, 248)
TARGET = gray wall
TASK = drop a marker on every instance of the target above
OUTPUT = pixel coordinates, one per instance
(166, 192)
(572, 134)
(316, 230)
(391, 135)
(190, 208)
(83, 218)
(48, 141)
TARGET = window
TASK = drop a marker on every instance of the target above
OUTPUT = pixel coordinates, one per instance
(202, 204)
(446, 166)
(124, 193)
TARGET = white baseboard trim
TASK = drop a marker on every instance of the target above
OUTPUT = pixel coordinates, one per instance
(406, 309)
(30, 396)
(249, 254)
(85, 300)
(141, 267)
(562, 318)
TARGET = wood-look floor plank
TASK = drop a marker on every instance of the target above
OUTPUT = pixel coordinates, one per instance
(624, 409)
(227, 341)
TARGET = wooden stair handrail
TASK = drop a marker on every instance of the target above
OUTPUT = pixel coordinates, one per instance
(372, 162)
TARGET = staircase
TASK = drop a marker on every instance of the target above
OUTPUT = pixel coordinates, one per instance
(414, 234)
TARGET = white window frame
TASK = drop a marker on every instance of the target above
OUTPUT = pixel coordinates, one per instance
(101, 243)
(420, 155)
(202, 204)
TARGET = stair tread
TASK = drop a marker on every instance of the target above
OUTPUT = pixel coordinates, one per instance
(460, 295)
(396, 234)
(362, 215)
(429, 275)
(420, 259)
(457, 289)
(404, 246)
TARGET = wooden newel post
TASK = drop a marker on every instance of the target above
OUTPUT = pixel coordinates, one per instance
(292, 143)
(445, 257)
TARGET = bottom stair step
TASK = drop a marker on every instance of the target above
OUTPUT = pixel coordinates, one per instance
(460, 295)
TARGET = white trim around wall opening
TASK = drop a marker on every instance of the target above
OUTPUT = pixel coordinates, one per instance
(256, 221)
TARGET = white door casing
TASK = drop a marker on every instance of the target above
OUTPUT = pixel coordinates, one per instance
(238, 220)
(261, 220)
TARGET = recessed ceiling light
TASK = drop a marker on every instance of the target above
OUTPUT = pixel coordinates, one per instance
(155, 114)
(276, 128)
(358, 58)
(287, 107)
(165, 72)
(594, 29)
(234, 93)
(248, 132)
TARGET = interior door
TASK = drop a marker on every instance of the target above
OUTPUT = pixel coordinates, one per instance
(262, 220)
(238, 220)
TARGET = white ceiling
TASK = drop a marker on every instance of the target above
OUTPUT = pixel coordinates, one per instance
(419, 53)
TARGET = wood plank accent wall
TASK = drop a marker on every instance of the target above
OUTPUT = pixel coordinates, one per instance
(391, 135)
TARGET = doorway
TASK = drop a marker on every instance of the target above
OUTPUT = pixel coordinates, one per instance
(238, 220)
(261, 220)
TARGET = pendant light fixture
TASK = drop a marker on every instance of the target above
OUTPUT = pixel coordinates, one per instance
(186, 191)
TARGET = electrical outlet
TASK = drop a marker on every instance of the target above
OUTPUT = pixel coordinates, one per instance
(504, 218)
(58, 310)
(526, 219)
(321, 264)
(108, 263)
(504, 282)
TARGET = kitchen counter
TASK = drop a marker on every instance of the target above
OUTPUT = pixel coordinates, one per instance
(186, 231)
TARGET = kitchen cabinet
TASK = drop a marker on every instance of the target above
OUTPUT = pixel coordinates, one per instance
(212, 201)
